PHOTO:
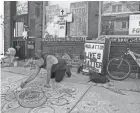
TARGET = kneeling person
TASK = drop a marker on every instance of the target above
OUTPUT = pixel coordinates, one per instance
(56, 68)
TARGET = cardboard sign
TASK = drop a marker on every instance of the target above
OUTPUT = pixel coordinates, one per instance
(134, 25)
(93, 57)
(62, 29)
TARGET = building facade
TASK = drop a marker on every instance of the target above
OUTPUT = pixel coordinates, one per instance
(32, 16)
(115, 16)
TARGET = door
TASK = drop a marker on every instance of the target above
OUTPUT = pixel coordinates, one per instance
(19, 43)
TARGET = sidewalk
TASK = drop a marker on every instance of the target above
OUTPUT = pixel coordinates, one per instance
(128, 84)
(83, 97)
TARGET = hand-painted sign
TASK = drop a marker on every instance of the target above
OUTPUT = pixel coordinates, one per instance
(134, 39)
(74, 39)
(51, 11)
(62, 12)
(51, 27)
(93, 57)
(66, 17)
(62, 29)
(80, 19)
(134, 25)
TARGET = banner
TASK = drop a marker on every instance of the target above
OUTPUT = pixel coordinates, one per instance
(134, 25)
(93, 57)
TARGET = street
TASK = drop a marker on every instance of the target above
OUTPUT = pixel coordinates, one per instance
(83, 97)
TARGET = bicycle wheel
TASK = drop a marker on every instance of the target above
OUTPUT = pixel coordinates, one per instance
(118, 68)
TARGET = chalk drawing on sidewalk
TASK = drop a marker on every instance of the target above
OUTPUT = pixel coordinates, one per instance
(10, 86)
(135, 106)
(61, 96)
(59, 102)
(10, 106)
(47, 109)
(4, 89)
(10, 96)
(94, 105)
(59, 99)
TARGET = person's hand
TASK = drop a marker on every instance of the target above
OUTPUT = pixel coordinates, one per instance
(47, 86)
(23, 85)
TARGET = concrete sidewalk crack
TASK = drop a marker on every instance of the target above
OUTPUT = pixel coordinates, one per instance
(80, 99)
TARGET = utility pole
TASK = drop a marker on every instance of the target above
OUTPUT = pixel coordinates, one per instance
(99, 19)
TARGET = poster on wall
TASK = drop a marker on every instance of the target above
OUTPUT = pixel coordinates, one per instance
(93, 57)
(134, 25)
(51, 11)
(22, 7)
(51, 27)
(62, 29)
(80, 19)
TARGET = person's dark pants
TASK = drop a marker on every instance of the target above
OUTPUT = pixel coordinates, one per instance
(59, 70)
(58, 75)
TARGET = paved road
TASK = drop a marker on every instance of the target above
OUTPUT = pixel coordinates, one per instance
(86, 98)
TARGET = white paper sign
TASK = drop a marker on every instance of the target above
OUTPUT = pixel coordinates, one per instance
(94, 51)
(67, 17)
(134, 25)
(62, 29)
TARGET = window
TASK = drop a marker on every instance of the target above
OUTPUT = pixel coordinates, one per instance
(111, 24)
(124, 24)
(113, 8)
(18, 29)
(119, 8)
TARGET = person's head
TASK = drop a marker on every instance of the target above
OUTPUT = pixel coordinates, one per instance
(38, 53)
(11, 51)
